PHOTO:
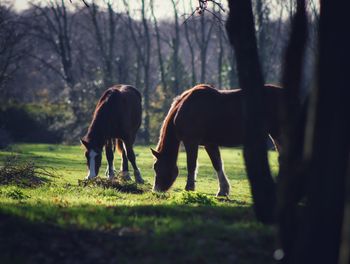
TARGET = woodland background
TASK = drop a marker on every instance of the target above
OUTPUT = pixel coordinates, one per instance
(56, 59)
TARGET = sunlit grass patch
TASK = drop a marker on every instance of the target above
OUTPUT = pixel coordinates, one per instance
(129, 221)
(195, 198)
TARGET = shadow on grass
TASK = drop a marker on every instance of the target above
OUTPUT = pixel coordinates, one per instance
(132, 234)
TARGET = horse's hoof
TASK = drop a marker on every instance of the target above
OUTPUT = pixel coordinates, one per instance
(189, 187)
(223, 193)
(124, 175)
(110, 174)
(138, 177)
(140, 181)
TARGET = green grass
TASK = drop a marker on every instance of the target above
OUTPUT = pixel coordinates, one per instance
(61, 220)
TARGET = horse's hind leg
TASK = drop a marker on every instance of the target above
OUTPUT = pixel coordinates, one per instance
(191, 153)
(215, 157)
(131, 156)
(124, 166)
(110, 148)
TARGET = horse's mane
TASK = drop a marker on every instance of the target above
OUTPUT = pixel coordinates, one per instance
(99, 111)
(173, 110)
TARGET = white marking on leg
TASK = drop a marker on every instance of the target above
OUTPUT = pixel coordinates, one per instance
(196, 171)
(91, 173)
(224, 185)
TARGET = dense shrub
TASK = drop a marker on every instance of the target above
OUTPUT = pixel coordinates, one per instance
(32, 123)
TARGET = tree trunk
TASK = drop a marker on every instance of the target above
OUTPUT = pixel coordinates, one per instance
(220, 56)
(260, 13)
(318, 238)
(176, 46)
(291, 172)
(146, 64)
(241, 32)
(190, 46)
(159, 50)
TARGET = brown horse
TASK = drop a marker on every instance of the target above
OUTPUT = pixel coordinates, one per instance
(212, 118)
(116, 119)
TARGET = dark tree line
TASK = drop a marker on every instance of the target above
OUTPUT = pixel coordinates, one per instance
(69, 56)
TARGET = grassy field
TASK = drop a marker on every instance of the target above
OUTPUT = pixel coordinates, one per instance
(62, 221)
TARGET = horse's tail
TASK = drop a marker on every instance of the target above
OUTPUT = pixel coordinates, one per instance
(119, 145)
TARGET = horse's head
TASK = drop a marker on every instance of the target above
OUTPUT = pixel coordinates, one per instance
(166, 172)
(93, 159)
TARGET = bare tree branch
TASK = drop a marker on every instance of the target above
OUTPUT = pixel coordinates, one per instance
(203, 7)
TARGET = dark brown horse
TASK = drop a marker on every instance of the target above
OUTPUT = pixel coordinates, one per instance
(116, 119)
(212, 118)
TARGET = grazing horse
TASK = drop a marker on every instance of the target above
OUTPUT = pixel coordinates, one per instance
(211, 118)
(116, 119)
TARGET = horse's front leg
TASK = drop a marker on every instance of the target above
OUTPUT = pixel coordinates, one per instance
(109, 148)
(192, 153)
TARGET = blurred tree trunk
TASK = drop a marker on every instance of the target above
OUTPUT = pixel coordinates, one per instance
(124, 59)
(190, 46)
(262, 20)
(146, 61)
(203, 40)
(138, 69)
(241, 32)
(56, 32)
(176, 46)
(220, 37)
(12, 47)
(327, 148)
(105, 40)
(159, 50)
(142, 41)
(232, 73)
(291, 172)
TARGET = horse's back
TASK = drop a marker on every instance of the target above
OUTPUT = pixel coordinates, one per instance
(128, 90)
(125, 91)
(210, 116)
(125, 107)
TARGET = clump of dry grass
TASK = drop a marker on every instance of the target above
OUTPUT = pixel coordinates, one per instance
(117, 184)
(23, 174)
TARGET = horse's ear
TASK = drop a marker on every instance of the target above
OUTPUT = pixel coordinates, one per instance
(155, 153)
(84, 142)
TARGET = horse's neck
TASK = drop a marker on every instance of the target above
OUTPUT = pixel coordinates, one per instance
(97, 132)
(170, 144)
